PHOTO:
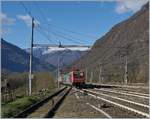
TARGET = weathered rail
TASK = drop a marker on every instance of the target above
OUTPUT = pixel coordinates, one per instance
(125, 93)
(32, 108)
(51, 112)
(91, 93)
(120, 99)
(120, 86)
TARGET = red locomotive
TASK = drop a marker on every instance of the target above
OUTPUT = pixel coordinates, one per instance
(75, 77)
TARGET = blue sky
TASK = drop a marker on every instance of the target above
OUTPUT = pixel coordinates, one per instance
(91, 19)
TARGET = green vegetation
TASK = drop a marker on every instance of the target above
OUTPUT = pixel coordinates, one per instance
(43, 80)
(12, 108)
(42, 85)
(18, 83)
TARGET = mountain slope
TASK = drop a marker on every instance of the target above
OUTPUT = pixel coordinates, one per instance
(129, 38)
(15, 59)
(51, 54)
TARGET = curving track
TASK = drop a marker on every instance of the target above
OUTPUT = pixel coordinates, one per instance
(46, 107)
(98, 102)
(122, 104)
(125, 93)
(131, 92)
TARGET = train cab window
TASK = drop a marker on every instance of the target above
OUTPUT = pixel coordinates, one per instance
(78, 74)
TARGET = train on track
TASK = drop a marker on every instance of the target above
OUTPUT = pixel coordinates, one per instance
(75, 77)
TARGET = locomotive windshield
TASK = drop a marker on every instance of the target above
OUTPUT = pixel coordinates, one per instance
(78, 74)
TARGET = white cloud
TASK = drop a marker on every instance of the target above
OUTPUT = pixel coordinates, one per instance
(124, 6)
(55, 49)
(5, 31)
(28, 20)
(5, 20)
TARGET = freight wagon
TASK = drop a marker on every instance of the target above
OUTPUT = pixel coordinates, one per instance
(75, 77)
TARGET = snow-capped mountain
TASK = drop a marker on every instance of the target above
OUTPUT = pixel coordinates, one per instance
(56, 49)
(14, 59)
(66, 55)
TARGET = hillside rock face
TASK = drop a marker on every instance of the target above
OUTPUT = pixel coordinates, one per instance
(128, 39)
(51, 55)
(14, 59)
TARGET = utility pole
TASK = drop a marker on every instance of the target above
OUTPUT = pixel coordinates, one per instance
(126, 64)
(31, 54)
(86, 74)
(100, 73)
(58, 74)
(126, 70)
(91, 78)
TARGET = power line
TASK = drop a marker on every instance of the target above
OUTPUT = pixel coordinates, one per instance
(45, 35)
(60, 35)
(26, 9)
(56, 26)
(57, 33)
(77, 40)
(29, 12)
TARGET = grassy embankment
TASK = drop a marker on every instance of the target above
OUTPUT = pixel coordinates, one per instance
(12, 108)
(43, 85)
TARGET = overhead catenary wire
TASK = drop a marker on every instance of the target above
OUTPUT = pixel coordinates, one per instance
(45, 34)
(105, 58)
(44, 30)
(58, 33)
(26, 9)
(61, 35)
(51, 25)
(60, 27)
(32, 16)
(79, 41)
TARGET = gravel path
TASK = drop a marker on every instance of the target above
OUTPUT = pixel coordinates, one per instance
(74, 106)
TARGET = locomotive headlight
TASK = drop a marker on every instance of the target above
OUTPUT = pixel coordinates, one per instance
(81, 74)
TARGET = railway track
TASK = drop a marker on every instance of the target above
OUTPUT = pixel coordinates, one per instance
(99, 110)
(46, 107)
(137, 91)
(125, 95)
(131, 92)
(122, 86)
(95, 107)
(126, 107)
(121, 99)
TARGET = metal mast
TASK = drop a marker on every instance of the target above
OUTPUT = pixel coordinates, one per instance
(91, 78)
(31, 56)
(126, 70)
(58, 75)
(100, 73)
(86, 71)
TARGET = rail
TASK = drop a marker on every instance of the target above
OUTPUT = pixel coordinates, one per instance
(32, 108)
(90, 93)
